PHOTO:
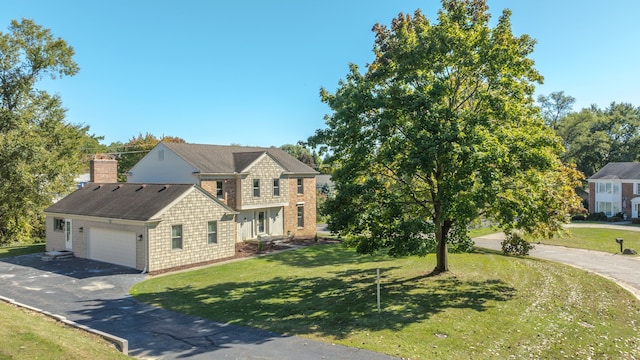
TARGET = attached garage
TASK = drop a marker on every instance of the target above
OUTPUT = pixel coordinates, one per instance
(133, 225)
(112, 246)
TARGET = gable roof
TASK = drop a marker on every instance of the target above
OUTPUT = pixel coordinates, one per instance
(618, 171)
(221, 159)
(126, 201)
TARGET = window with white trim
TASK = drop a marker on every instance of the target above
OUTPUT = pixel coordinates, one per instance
(256, 187)
(300, 216)
(58, 224)
(212, 232)
(276, 187)
(176, 237)
(609, 208)
(637, 189)
(300, 186)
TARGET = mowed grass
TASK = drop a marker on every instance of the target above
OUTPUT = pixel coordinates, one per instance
(15, 250)
(599, 239)
(28, 335)
(490, 306)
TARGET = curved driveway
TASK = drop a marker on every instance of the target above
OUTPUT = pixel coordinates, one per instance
(96, 294)
(623, 269)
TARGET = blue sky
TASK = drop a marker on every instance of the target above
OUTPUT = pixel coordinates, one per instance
(249, 72)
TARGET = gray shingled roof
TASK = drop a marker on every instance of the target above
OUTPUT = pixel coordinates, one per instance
(126, 201)
(618, 171)
(220, 159)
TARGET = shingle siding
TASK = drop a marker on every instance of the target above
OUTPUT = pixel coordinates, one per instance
(265, 170)
(193, 213)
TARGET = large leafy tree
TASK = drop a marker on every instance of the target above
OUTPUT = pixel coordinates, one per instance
(555, 106)
(303, 154)
(39, 151)
(439, 130)
(593, 137)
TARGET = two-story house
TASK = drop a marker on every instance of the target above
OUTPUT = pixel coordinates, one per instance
(184, 205)
(616, 189)
(273, 192)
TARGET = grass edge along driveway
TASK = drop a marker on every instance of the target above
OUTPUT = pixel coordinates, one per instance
(489, 305)
(28, 335)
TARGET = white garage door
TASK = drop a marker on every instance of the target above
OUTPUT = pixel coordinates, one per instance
(116, 247)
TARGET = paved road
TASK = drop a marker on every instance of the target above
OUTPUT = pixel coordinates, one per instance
(623, 269)
(95, 294)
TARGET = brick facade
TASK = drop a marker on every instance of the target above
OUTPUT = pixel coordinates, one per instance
(306, 199)
(229, 189)
(103, 171)
(627, 196)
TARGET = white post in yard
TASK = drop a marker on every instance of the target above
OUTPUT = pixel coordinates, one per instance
(378, 276)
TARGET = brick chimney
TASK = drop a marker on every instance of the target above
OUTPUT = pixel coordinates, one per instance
(103, 170)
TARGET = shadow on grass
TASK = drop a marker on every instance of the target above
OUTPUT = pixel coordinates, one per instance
(320, 255)
(331, 306)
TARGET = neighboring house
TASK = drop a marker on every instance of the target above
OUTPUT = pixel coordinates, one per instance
(150, 227)
(324, 184)
(616, 189)
(273, 192)
(82, 180)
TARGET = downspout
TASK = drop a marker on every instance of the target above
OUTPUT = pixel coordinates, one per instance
(146, 250)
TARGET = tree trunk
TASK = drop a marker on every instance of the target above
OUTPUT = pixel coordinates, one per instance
(442, 260)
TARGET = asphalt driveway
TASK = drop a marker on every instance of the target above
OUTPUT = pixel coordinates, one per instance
(95, 294)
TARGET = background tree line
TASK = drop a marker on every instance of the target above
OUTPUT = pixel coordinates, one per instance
(593, 137)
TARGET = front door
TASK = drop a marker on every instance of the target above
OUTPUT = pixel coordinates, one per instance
(260, 223)
(68, 231)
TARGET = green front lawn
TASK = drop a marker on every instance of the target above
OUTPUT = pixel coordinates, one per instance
(15, 250)
(490, 306)
(596, 239)
(27, 335)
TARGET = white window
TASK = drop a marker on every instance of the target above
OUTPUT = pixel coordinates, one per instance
(609, 208)
(176, 237)
(608, 188)
(300, 186)
(256, 187)
(637, 189)
(300, 216)
(58, 224)
(276, 187)
(212, 232)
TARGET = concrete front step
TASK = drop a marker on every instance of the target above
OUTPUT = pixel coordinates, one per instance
(57, 255)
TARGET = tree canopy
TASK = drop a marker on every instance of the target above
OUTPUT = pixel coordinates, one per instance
(594, 137)
(442, 129)
(39, 151)
(303, 154)
(555, 106)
